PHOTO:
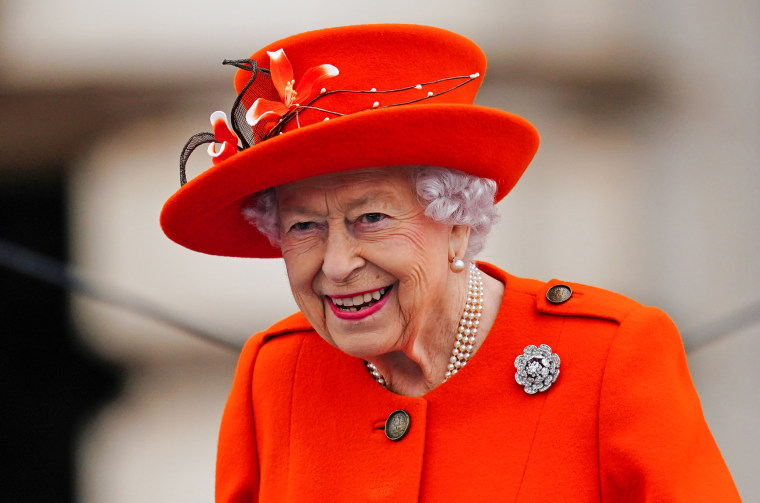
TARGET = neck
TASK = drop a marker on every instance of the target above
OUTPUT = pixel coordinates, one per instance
(423, 367)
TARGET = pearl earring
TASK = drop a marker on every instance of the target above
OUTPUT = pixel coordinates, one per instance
(457, 264)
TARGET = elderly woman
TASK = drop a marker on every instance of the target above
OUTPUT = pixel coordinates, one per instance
(412, 373)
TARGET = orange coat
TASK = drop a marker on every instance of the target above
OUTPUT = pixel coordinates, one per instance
(622, 423)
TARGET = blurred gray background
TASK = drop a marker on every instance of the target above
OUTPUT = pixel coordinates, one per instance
(647, 182)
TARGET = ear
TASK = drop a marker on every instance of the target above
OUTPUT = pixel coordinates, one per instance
(459, 238)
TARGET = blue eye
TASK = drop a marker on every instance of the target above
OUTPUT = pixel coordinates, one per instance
(371, 218)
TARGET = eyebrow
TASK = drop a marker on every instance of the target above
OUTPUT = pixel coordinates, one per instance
(366, 198)
(348, 205)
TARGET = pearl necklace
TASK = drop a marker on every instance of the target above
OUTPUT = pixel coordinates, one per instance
(467, 328)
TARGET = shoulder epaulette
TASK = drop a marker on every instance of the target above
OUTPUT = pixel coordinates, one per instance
(575, 299)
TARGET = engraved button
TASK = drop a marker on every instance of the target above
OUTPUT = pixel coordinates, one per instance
(397, 425)
(559, 294)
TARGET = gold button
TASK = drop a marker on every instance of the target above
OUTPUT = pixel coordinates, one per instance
(559, 294)
(397, 425)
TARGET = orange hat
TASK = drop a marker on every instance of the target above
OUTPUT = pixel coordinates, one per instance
(340, 99)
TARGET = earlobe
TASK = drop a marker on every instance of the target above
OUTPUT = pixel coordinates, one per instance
(459, 238)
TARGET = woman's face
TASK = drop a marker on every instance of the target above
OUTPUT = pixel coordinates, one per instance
(367, 268)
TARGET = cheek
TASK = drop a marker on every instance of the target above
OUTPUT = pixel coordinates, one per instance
(420, 262)
(419, 247)
(413, 236)
(308, 302)
(310, 306)
(301, 269)
(294, 248)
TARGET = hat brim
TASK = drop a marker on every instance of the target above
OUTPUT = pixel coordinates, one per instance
(205, 215)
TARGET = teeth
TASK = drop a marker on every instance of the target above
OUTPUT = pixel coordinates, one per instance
(357, 300)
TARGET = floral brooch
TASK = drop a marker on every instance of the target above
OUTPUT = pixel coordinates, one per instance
(537, 368)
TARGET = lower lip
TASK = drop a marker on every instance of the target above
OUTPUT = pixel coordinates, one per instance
(359, 315)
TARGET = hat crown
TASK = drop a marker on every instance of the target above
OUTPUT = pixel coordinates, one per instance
(378, 66)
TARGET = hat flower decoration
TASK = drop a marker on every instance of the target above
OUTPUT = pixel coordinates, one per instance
(282, 78)
(224, 137)
(225, 142)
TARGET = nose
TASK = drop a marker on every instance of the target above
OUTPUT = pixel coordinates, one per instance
(342, 256)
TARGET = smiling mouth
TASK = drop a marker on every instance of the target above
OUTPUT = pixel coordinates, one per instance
(359, 302)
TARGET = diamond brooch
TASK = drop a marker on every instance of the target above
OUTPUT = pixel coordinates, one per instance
(537, 368)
